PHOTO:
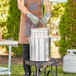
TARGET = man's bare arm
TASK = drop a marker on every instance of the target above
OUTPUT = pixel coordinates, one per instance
(48, 6)
(22, 7)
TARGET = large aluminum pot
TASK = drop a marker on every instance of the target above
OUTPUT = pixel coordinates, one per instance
(40, 44)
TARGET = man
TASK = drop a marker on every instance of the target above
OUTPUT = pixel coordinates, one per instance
(31, 14)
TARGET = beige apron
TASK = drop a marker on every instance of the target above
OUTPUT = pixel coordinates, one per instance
(35, 7)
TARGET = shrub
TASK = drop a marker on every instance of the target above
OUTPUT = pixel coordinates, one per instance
(13, 25)
(67, 28)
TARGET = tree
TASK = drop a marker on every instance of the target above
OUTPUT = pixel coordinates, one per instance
(13, 25)
(68, 28)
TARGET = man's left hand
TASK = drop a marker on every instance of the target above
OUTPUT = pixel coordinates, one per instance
(46, 18)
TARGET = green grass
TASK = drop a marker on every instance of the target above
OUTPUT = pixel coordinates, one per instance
(17, 70)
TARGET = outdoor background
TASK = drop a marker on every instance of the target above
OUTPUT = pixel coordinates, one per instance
(62, 31)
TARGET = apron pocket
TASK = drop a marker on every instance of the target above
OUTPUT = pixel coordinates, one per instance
(28, 24)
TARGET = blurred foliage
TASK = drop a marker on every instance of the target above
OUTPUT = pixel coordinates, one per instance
(4, 7)
(68, 28)
(57, 43)
(13, 25)
(10, 22)
(57, 10)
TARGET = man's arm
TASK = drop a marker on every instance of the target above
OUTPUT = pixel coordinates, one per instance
(24, 10)
(47, 16)
(22, 7)
(48, 6)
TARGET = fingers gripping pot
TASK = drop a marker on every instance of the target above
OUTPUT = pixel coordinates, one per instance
(40, 44)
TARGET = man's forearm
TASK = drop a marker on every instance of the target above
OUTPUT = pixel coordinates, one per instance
(22, 7)
(48, 6)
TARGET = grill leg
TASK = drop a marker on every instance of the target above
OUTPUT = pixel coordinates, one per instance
(44, 71)
(51, 67)
(56, 69)
(33, 74)
(37, 71)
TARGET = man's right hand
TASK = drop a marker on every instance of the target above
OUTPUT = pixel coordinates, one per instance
(34, 19)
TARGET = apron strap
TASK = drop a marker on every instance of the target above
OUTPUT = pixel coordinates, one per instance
(41, 3)
(24, 2)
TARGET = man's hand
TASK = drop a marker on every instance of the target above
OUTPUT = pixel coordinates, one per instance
(34, 19)
(46, 18)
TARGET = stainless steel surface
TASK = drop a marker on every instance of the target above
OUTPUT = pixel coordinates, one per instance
(40, 45)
